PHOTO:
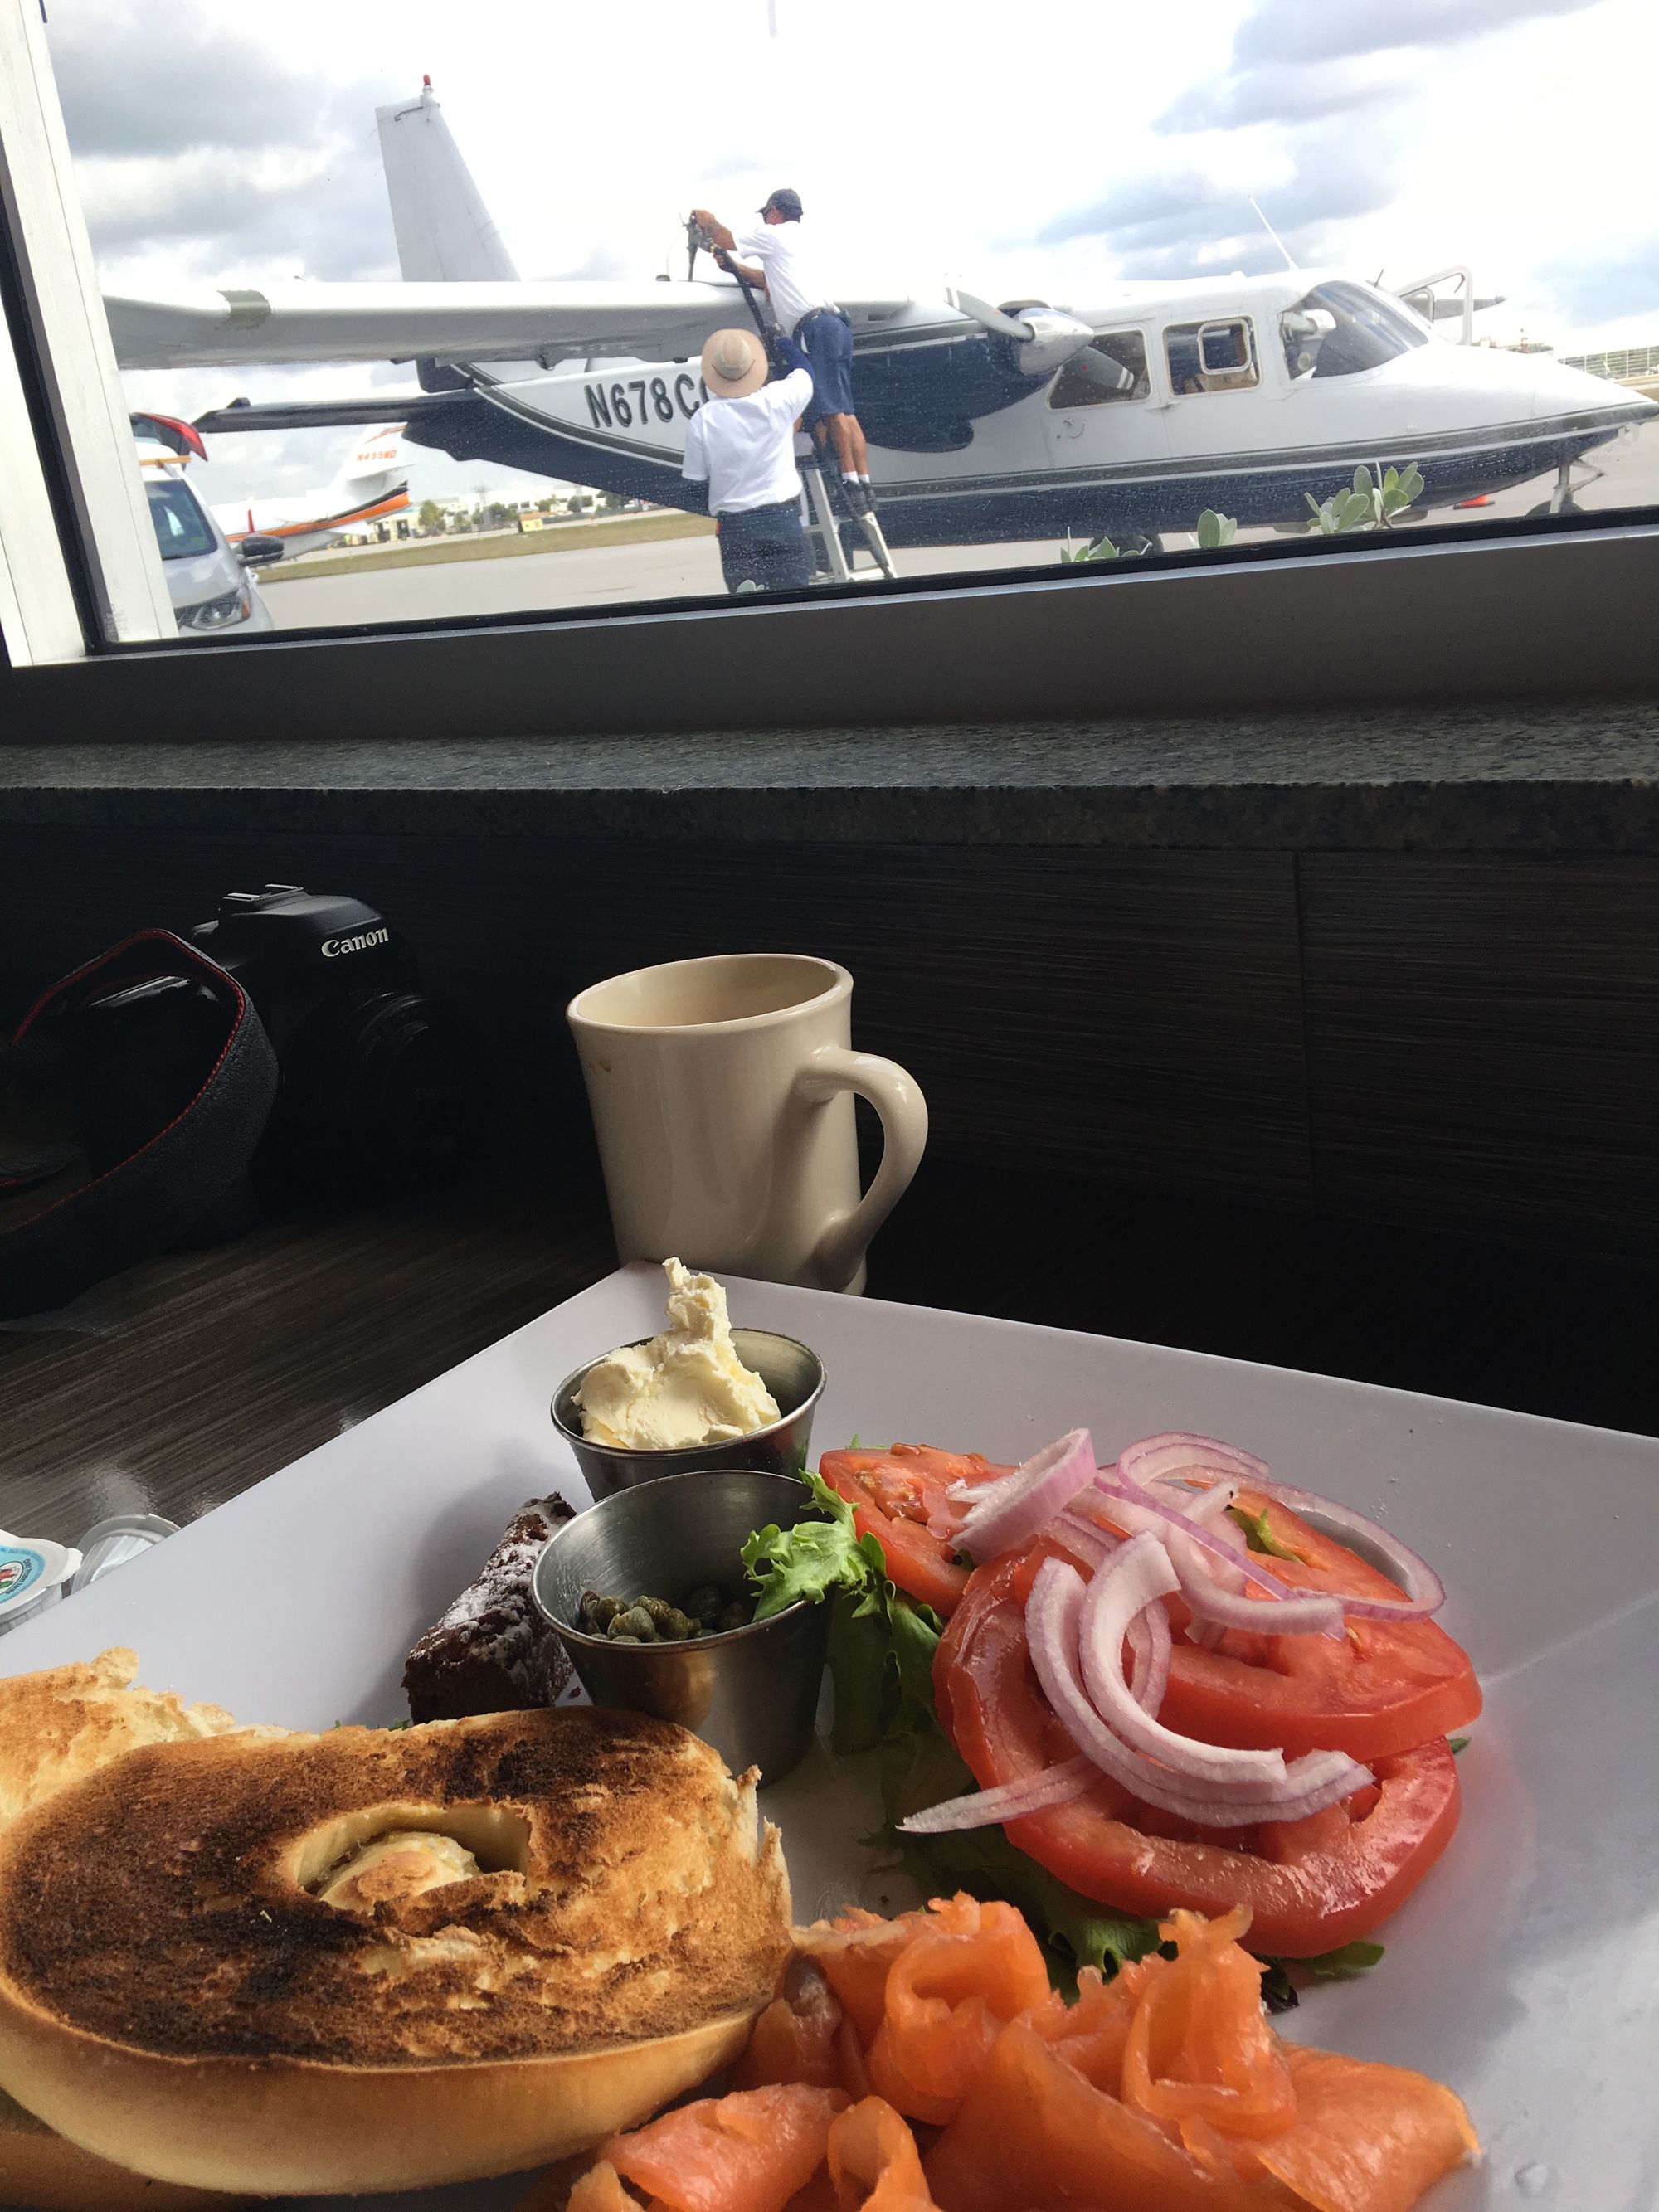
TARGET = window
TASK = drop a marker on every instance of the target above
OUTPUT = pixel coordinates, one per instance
(1338, 330)
(1112, 368)
(181, 527)
(403, 321)
(1212, 357)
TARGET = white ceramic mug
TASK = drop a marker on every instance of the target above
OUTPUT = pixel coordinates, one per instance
(722, 1094)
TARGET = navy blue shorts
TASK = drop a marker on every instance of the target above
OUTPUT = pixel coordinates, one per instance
(827, 342)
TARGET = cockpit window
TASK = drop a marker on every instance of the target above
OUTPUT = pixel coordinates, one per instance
(1340, 328)
(1218, 355)
(1112, 367)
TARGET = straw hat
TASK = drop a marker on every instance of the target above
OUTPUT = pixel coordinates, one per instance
(734, 364)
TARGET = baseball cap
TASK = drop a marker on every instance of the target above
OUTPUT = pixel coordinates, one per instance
(786, 202)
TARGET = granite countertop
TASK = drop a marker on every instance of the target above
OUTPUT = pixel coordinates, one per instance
(1529, 777)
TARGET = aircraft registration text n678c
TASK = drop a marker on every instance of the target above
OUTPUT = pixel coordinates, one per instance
(1126, 416)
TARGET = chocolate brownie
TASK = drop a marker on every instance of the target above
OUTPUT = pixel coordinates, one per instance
(491, 1651)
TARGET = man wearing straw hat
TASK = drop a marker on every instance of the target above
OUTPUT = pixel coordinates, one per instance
(741, 443)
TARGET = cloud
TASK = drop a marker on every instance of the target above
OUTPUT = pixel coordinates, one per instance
(1592, 287)
(223, 215)
(133, 82)
(1235, 100)
(201, 141)
(1333, 85)
(1297, 60)
(602, 264)
(1296, 31)
(1192, 220)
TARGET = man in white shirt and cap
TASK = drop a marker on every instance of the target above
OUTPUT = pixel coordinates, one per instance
(807, 314)
(741, 442)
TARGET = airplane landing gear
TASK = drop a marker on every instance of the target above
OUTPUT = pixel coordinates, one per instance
(1561, 500)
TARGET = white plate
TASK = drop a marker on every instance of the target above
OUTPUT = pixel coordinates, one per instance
(1524, 1972)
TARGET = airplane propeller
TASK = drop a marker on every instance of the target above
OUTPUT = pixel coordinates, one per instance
(1047, 336)
(993, 318)
(1101, 369)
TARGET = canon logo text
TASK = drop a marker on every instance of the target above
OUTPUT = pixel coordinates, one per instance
(333, 947)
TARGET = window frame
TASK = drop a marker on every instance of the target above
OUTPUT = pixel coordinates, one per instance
(1141, 332)
(1551, 607)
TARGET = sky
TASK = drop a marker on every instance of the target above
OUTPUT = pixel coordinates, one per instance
(1046, 153)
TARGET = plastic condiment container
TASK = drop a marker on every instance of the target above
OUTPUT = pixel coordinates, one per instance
(32, 1573)
(112, 1543)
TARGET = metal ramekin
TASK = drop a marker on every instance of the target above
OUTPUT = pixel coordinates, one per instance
(794, 1374)
(752, 1692)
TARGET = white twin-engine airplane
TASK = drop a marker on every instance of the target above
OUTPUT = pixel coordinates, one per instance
(371, 483)
(985, 423)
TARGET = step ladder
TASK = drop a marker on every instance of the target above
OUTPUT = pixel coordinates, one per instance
(824, 522)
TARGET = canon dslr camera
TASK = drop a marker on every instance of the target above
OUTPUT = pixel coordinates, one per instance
(381, 1087)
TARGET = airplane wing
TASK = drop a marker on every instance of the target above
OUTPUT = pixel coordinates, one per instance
(468, 321)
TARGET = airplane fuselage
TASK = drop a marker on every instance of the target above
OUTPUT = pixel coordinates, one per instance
(1213, 395)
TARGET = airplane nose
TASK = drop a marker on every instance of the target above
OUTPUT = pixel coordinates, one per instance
(1558, 390)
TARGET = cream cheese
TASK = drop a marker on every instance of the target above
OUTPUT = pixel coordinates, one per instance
(686, 1387)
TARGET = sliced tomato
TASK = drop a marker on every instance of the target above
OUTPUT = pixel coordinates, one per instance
(893, 1495)
(1386, 1686)
(1310, 1886)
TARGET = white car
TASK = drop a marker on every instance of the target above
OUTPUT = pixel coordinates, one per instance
(212, 591)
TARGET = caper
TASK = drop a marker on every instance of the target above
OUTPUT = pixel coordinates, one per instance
(735, 1616)
(636, 1621)
(613, 1636)
(704, 1603)
(679, 1626)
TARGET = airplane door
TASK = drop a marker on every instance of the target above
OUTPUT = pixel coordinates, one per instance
(1106, 430)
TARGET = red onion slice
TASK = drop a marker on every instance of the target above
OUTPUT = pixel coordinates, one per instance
(1053, 1615)
(1085, 1537)
(1424, 1591)
(1208, 1507)
(1154, 1457)
(1148, 1636)
(1137, 1577)
(1008, 1511)
(1013, 1800)
(1209, 1599)
(1131, 1504)
(1149, 1645)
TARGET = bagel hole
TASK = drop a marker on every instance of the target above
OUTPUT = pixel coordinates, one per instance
(498, 1839)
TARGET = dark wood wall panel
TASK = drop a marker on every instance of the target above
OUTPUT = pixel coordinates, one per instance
(1483, 1043)
(1135, 1016)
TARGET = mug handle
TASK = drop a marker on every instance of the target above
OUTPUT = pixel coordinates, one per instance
(838, 1257)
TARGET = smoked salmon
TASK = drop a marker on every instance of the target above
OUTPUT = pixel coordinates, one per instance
(1165, 2089)
(750, 2152)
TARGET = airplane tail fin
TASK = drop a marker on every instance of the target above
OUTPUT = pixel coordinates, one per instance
(445, 232)
(379, 463)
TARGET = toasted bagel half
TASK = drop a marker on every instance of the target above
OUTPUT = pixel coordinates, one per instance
(176, 1993)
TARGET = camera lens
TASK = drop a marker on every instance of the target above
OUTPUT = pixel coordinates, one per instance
(382, 1090)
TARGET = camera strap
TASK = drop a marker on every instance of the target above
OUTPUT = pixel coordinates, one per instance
(57, 1242)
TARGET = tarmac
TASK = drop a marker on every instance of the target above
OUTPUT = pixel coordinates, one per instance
(1626, 475)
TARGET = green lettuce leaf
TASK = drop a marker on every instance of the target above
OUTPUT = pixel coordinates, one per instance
(1353, 1958)
(814, 1557)
(1258, 1536)
(986, 1865)
(920, 1767)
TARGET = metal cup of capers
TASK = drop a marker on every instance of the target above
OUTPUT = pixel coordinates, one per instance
(708, 1611)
